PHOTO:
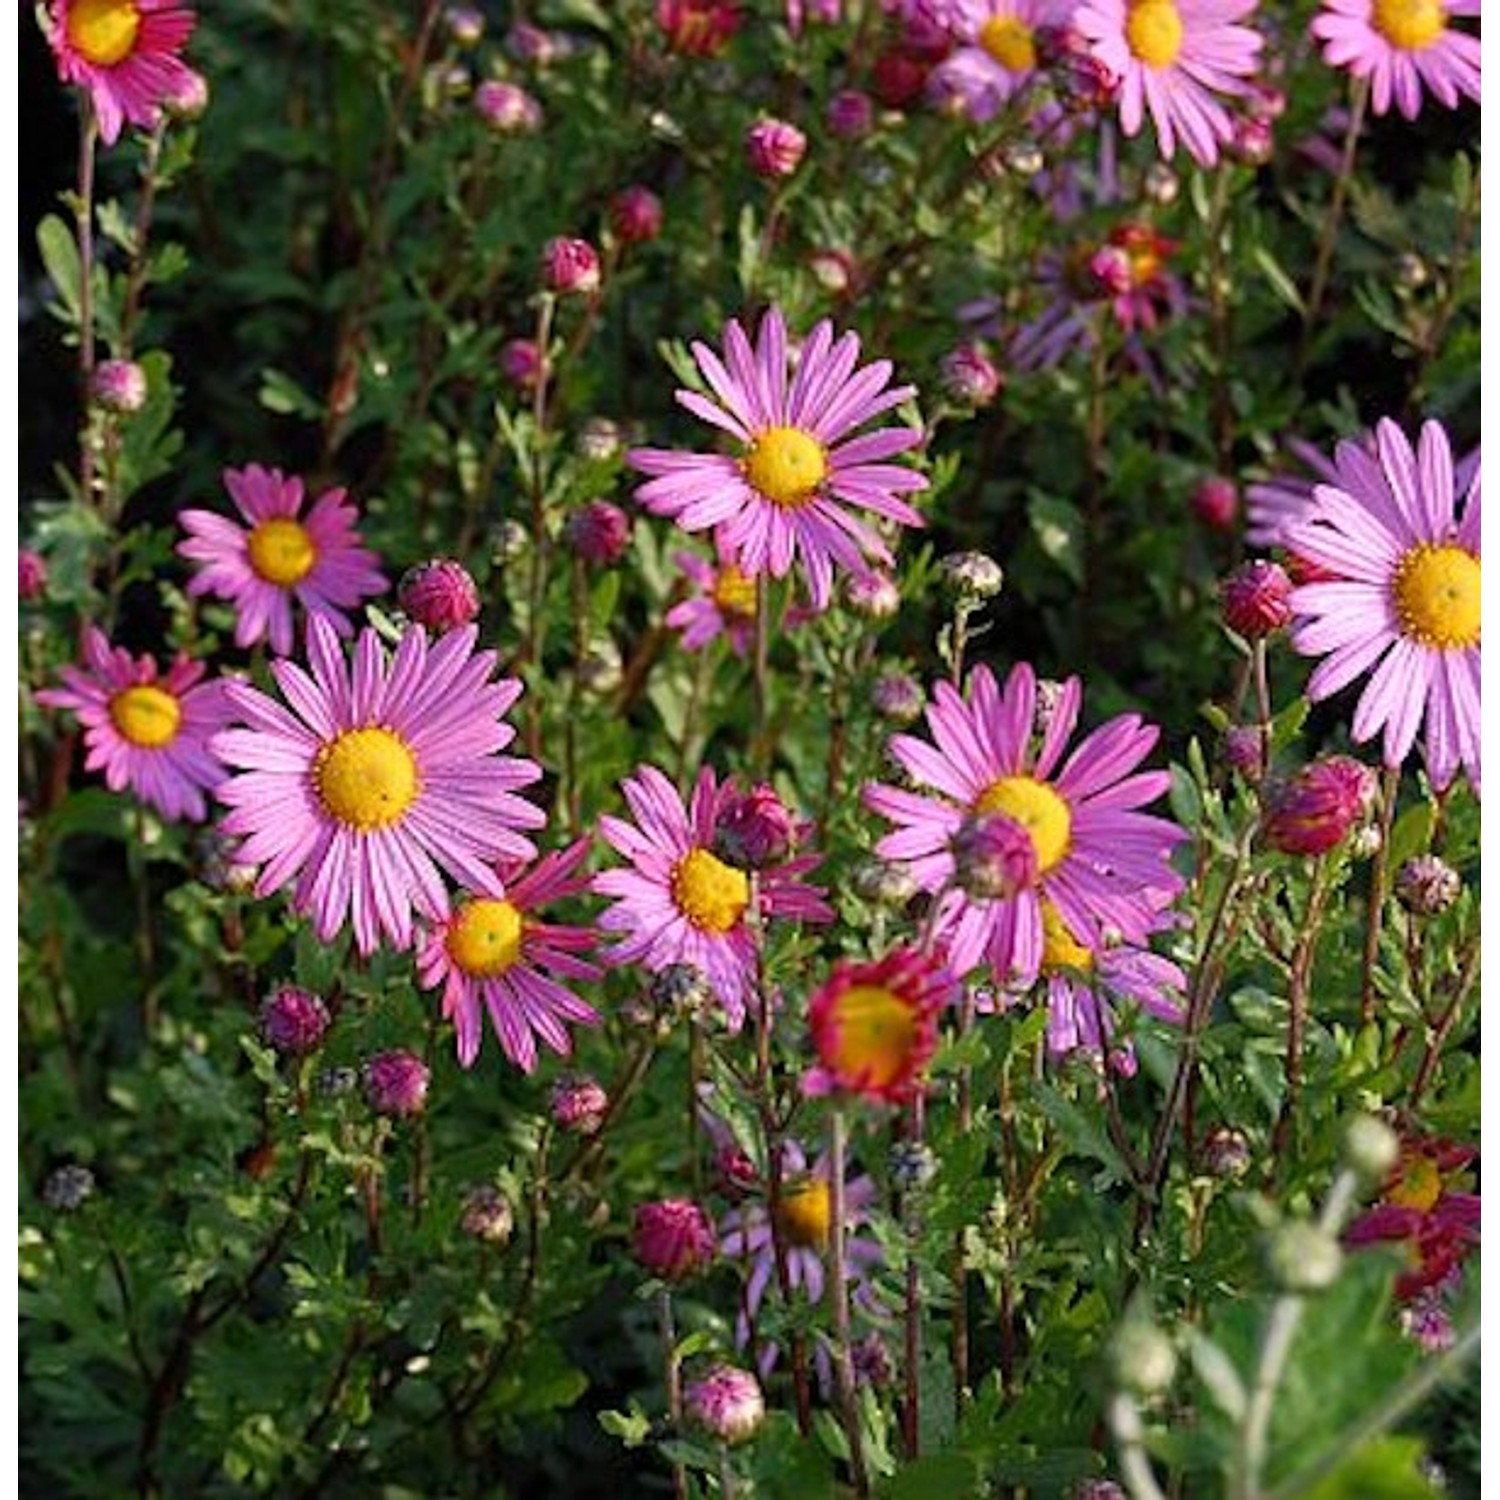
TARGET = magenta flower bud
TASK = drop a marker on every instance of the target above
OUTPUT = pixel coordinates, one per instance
(755, 829)
(1085, 83)
(873, 595)
(465, 24)
(33, 574)
(1245, 750)
(598, 532)
(396, 1083)
(1256, 599)
(969, 376)
(635, 215)
(1216, 502)
(487, 1215)
(672, 1238)
(898, 696)
(293, 1021)
(994, 857)
(507, 107)
(1427, 885)
(726, 1403)
(1315, 810)
(439, 595)
(185, 95)
(1265, 101)
(570, 266)
(851, 114)
(734, 1174)
(521, 363)
(774, 148)
(579, 1103)
(530, 44)
(873, 1365)
(1252, 143)
(119, 385)
(833, 270)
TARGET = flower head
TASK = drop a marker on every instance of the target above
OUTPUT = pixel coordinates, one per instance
(997, 54)
(792, 490)
(507, 107)
(1402, 46)
(570, 265)
(294, 1021)
(774, 148)
(1405, 604)
(439, 595)
(1315, 810)
(146, 731)
(1216, 501)
(698, 28)
(724, 604)
(396, 1083)
(599, 532)
(316, 559)
(635, 215)
(726, 1402)
(373, 780)
(493, 955)
(1256, 599)
(672, 1238)
(119, 386)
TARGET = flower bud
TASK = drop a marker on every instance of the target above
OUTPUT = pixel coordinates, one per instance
(681, 990)
(1144, 1360)
(969, 376)
(1411, 271)
(1302, 1257)
(509, 541)
(994, 857)
(1252, 143)
(68, 1188)
(600, 669)
(1315, 810)
(873, 1365)
(734, 1174)
(726, 1403)
(635, 215)
(1427, 885)
(697, 28)
(185, 95)
(579, 1103)
(396, 1083)
(507, 107)
(1429, 1326)
(1097, 1489)
(1245, 750)
(874, 595)
(531, 44)
(32, 575)
(754, 830)
(600, 438)
(334, 1083)
(851, 114)
(913, 1165)
(832, 269)
(672, 1238)
(774, 148)
(884, 883)
(898, 697)
(521, 363)
(897, 78)
(598, 532)
(1216, 502)
(119, 386)
(1256, 599)
(487, 1215)
(971, 576)
(439, 595)
(465, 24)
(1226, 1152)
(1371, 1147)
(294, 1021)
(570, 266)
(1160, 184)
(1024, 158)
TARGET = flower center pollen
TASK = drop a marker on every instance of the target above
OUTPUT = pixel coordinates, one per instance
(1420, 1185)
(1008, 40)
(1060, 949)
(710, 894)
(146, 716)
(485, 938)
(734, 593)
(1436, 595)
(367, 778)
(1038, 809)
(281, 551)
(103, 31)
(804, 1214)
(786, 465)
(1410, 25)
(1153, 31)
(877, 1030)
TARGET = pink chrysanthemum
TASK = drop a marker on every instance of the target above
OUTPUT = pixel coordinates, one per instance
(1172, 58)
(1400, 46)
(1272, 505)
(316, 559)
(680, 903)
(144, 731)
(493, 954)
(997, 52)
(1406, 601)
(724, 604)
(791, 491)
(125, 53)
(377, 778)
(1099, 861)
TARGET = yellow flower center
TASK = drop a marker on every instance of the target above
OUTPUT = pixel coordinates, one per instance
(1153, 31)
(710, 894)
(1060, 949)
(485, 938)
(103, 32)
(1420, 1187)
(281, 551)
(1409, 24)
(804, 1214)
(786, 465)
(1008, 40)
(367, 778)
(734, 593)
(876, 1032)
(1436, 594)
(146, 716)
(1038, 809)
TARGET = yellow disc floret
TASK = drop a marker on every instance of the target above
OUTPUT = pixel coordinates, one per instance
(786, 465)
(1153, 31)
(1060, 949)
(281, 551)
(1038, 809)
(146, 716)
(734, 593)
(103, 32)
(710, 894)
(1420, 1184)
(875, 1031)
(485, 938)
(1410, 25)
(1436, 594)
(1008, 40)
(366, 778)
(804, 1214)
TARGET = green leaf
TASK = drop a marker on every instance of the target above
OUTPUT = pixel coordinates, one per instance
(1281, 283)
(1385, 1469)
(1058, 528)
(1411, 835)
(60, 256)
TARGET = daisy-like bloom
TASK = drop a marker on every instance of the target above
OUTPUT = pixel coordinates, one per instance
(874, 1025)
(1100, 861)
(125, 53)
(1400, 46)
(679, 903)
(316, 559)
(1273, 505)
(1172, 58)
(1406, 599)
(723, 604)
(494, 955)
(145, 731)
(997, 54)
(374, 779)
(792, 491)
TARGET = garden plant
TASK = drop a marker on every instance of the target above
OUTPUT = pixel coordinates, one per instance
(749, 749)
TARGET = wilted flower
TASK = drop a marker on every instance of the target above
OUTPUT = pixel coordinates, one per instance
(993, 856)
(698, 28)
(396, 1083)
(439, 594)
(672, 1238)
(294, 1021)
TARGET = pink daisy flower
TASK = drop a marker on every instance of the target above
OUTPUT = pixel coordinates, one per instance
(997, 51)
(723, 604)
(1406, 599)
(1099, 861)
(493, 954)
(372, 781)
(124, 52)
(1173, 57)
(791, 491)
(680, 903)
(1273, 505)
(316, 559)
(1400, 45)
(144, 731)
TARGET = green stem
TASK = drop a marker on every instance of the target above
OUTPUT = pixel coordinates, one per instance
(843, 1359)
(1374, 915)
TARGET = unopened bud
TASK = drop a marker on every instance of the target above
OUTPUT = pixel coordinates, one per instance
(971, 576)
(1302, 1257)
(488, 1215)
(1427, 885)
(1371, 1147)
(1144, 1360)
